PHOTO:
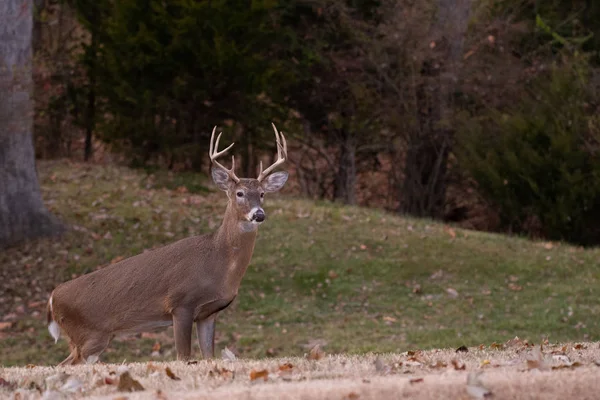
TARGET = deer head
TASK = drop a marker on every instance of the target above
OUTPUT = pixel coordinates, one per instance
(246, 195)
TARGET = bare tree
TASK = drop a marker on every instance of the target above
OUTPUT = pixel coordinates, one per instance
(22, 211)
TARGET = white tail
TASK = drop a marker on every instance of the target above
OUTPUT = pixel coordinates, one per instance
(180, 284)
(53, 327)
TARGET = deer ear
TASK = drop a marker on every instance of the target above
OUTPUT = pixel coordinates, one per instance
(221, 178)
(275, 181)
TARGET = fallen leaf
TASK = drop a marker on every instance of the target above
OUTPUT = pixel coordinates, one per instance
(451, 232)
(316, 353)
(485, 362)
(152, 368)
(439, 364)
(72, 385)
(5, 325)
(227, 354)
(263, 373)
(128, 384)
(193, 362)
(416, 380)
(514, 342)
(286, 367)
(579, 346)
(463, 349)
(160, 395)
(496, 346)
(568, 365)
(171, 375)
(381, 367)
(458, 366)
(352, 396)
(7, 385)
(332, 274)
(389, 319)
(30, 366)
(514, 287)
(536, 360)
(475, 387)
(452, 292)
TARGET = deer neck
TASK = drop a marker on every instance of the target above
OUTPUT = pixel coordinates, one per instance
(236, 239)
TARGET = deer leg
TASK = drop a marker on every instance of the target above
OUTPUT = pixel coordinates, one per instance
(205, 331)
(182, 329)
(93, 347)
(70, 358)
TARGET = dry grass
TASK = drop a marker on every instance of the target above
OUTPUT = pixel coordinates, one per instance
(514, 371)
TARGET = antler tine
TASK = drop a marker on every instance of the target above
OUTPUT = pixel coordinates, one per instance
(281, 154)
(214, 154)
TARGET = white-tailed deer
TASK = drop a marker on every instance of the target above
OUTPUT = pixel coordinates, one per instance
(185, 282)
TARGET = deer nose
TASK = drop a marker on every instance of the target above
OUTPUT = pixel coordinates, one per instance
(259, 215)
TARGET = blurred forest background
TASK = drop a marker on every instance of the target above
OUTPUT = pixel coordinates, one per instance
(478, 112)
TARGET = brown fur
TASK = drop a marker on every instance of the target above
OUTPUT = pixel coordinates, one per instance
(184, 282)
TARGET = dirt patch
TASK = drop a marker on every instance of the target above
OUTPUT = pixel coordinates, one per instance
(515, 370)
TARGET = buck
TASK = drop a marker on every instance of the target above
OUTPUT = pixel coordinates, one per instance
(186, 282)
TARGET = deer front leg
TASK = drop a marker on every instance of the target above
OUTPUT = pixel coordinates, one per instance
(205, 330)
(182, 329)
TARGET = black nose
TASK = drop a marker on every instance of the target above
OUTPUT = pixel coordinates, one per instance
(259, 216)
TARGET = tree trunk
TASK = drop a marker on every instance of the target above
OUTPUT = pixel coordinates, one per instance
(22, 211)
(345, 179)
(423, 192)
(90, 117)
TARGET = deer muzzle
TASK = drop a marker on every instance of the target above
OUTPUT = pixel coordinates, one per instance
(258, 215)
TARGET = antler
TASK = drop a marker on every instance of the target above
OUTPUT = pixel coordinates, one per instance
(213, 154)
(281, 155)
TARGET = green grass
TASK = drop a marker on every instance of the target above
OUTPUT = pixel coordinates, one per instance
(360, 280)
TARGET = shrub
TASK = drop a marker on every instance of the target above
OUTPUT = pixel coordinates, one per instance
(538, 162)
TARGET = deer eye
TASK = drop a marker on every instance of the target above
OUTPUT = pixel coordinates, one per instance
(240, 194)
(262, 195)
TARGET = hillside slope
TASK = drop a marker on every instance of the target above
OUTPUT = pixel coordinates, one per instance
(353, 280)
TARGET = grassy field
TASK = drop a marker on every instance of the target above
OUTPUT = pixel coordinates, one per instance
(353, 280)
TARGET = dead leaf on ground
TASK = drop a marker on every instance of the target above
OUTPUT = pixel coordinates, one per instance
(316, 353)
(352, 396)
(497, 346)
(286, 367)
(193, 362)
(381, 367)
(222, 372)
(171, 375)
(5, 325)
(451, 232)
(7, 385)
(263, 373)
(160, 395)
(579, 346)
(458, 366)
(439, 364)
(536, 360)
(152, 368)
(416, 380)
(128, 384)
(452, 292)
(514, 342)
(475, 387)
(572, 365)
(30, 366)
(463, 349)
